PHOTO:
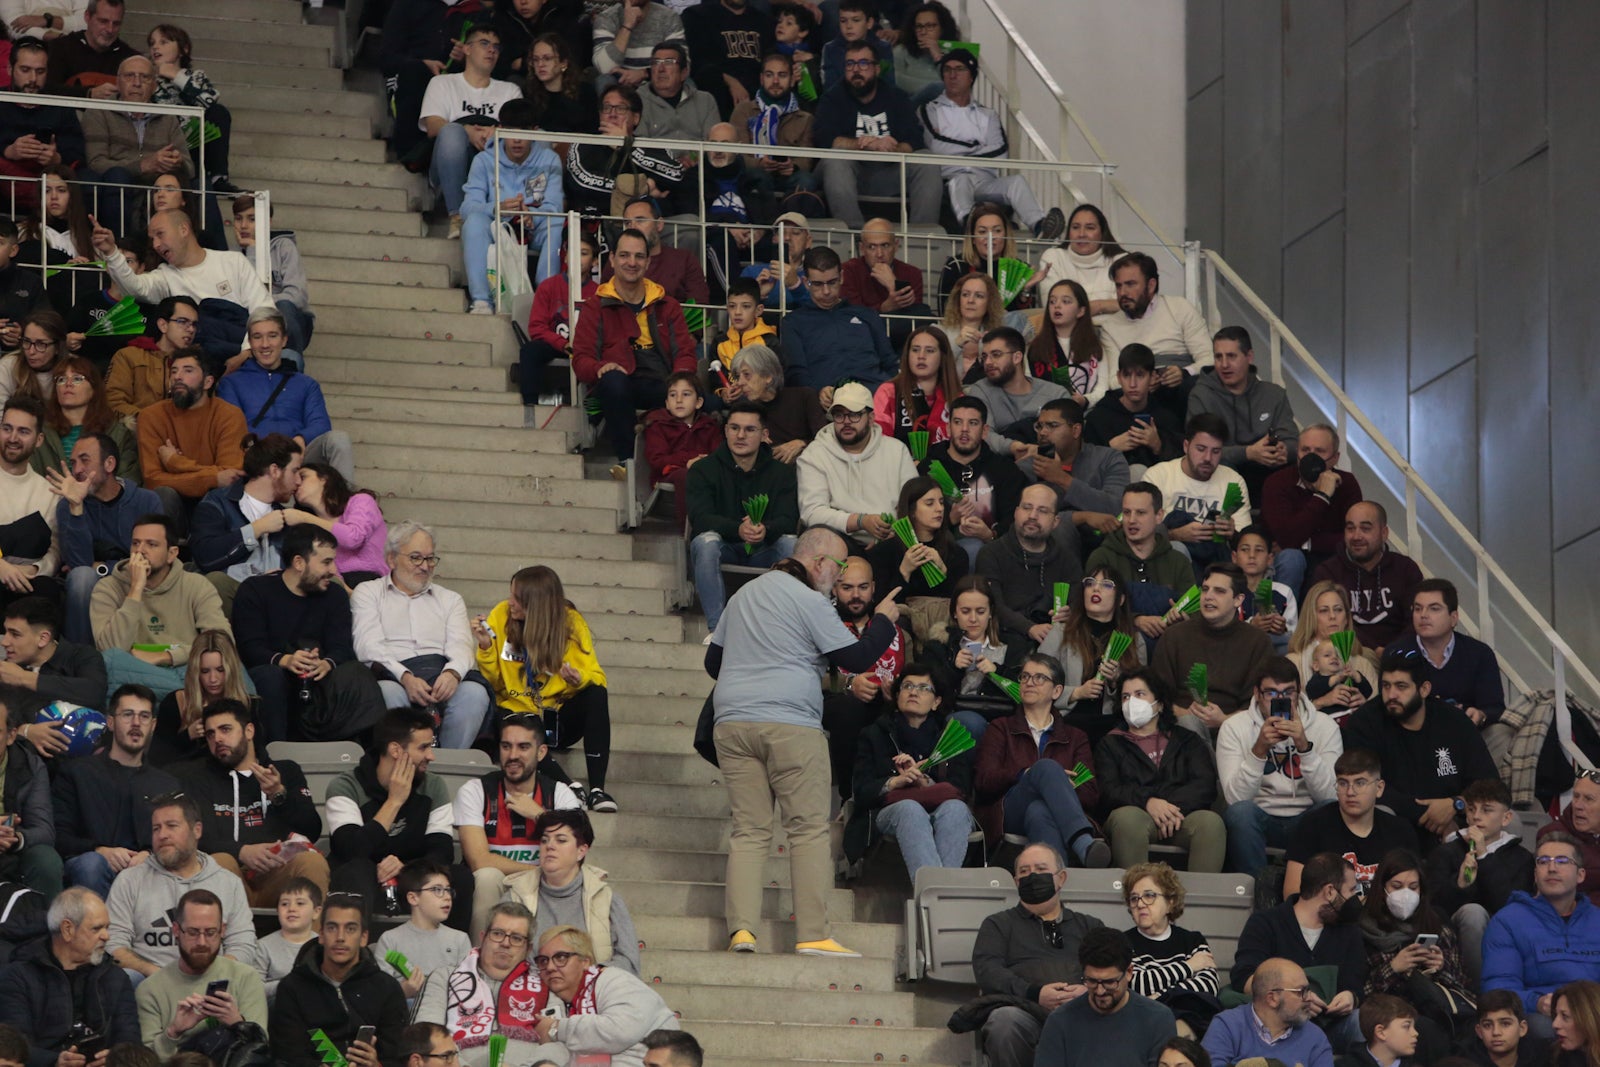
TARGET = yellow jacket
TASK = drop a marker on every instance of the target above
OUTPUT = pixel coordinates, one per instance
(755, 335)
(504, 667)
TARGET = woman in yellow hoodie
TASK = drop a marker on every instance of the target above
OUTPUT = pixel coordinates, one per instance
(537, 653)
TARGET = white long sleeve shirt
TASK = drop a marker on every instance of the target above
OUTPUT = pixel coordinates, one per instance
(391, 626)
(1172, 328)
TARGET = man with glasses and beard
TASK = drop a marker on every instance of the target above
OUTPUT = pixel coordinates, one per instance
(1109, 1026)
(852, 473)
(768, 726)
(101, 801)
(252, 808)
(494, 990)
(191, 442)
(1273, 1024)
(495, 815)
(181, 999)
(1030, 952)
(1318, 927)
(64, 993)
(1431, 750)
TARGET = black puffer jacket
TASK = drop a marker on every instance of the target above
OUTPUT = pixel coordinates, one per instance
(307, 1001)
(1185, 778)
(36, 998)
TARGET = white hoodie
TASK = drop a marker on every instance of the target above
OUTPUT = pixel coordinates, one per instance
(834, 484)
(1272, 783)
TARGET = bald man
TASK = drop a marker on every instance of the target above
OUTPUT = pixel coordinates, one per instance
(198, 274)
(123, 153)
(853, 700)
(1281, 1006)
(878, 280)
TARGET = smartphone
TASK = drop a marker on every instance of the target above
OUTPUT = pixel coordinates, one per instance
(367, 1034)
(1272, 438)
(972, 648)
(1281, 708)
(1428, 940)
(1144, 417)
(219, 986)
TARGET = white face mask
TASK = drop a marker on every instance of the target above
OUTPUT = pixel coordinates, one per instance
(1138, 711)
(1403, 903)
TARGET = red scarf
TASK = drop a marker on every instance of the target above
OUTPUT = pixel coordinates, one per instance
(471, 1018)
(583, 1001)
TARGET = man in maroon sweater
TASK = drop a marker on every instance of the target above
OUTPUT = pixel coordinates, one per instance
(1380, 581)
(1305, 515)
(876, 279)
(674, 269)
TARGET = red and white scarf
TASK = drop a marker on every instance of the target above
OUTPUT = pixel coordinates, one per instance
(471, 1016)
(583, 1001)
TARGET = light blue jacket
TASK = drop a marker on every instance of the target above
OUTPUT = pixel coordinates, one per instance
(540, 173)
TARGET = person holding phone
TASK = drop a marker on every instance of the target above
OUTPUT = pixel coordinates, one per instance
(202, 987)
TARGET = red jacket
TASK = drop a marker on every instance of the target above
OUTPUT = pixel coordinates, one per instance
(669, 444)
(608, 329)
(1007, 749)
(547, 321)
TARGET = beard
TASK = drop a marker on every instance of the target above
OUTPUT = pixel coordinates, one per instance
(1408, 709)
(183, 398)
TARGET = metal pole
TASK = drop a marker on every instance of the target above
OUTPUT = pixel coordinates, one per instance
(499, 253)
(261, 253)
(1485, 619)
(1275, 357)
(1413, 538)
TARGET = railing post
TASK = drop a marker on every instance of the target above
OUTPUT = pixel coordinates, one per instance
(499, 263)
(262, 252)
(1413, 538)
(1193, 255)
(1213, 314)
(1275, 355)
(1485, 620)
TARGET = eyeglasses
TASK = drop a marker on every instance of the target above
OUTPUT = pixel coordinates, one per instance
(860, 64)
(449, 1057)
(207, 933)
(1301, 991)
(1559, 861)
(1027, 678)
(560, 959)
(131, 715)
(665, 62)
(1353, 785)
(506, 937)
(69, 379)
(840, 563)
(1104, 983)
(36, 344)
(821, 283)
(916, 687)
(615, 109)
(1275, 694)
(1149, 896)
(439, 890)
(184, 321)
(1099, 583)
(841, 415)
(419, 560)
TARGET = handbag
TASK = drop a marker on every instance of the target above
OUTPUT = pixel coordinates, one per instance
(507, 264)
(929, 796)
(704, 743)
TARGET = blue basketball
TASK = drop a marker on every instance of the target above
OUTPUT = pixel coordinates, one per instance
(83, 726)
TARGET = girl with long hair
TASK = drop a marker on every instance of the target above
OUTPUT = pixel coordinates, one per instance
(32, 369)
(1096, 608)
(538, 655)
(1575, 1012)
(988, 241)
(917, 52)
(77, 406)
(1431, 977)
(918, 398)
(351, 515)
(973, 649)
(1324, 611)
(1067, 349)
(1085, 256)
(973, 309)
(894, 566)
(214, 673)
(563, 98)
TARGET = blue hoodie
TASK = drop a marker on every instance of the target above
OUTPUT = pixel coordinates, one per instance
(1531, 950)
(541, 171)
(298, 410)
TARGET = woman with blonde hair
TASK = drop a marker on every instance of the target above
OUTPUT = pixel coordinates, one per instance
(536, 651)
(214, 673)
(989, 240)
(1324, 611)
(972, 310)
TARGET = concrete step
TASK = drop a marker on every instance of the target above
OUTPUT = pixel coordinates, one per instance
(637, 828)
(381, 248)
(490, 438)
(268, 168)
(289, 99)
(262, 120)
(659, 658)
(504, 516)
(457, 409)
(688, 681)
(697, 1002)
(304, 148)
(238, 73)
(623, 612)
(372, 322)
(590, 546)
(206, 31)
(664, 712)
(390, 296)
(278, 11)
(706, 898)
(635, 758)
(594, 574)
(467, 462)
(393, 350)
(337, 220)
(388, 272)
(710, 934)
(661, 738)
(312, 194)
(530, 490)
(433, 377)
(781, 1041)
(711, 803)
(220, 56)
(779, 969)
(651, 865)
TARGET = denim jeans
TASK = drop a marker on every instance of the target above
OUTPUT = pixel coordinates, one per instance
(1044, 806)
(1251, 831)
(463, 713)
(926, 838)
(123, 666)
(708, 552)
(80, 585)
(90, 870)
(300, 322)
(1289, 567)
(621, 396)
(452, 159)
(477, 237)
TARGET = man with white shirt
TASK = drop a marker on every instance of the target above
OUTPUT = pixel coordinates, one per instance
(956, 125)
(1169, 325)
(1195, 486)
(27, 508)
(214, 279)
(418, 632)
(458, 115)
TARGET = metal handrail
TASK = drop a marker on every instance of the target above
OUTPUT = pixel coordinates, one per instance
(87, 103)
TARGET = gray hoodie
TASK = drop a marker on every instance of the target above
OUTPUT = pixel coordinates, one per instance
(1099, 475)
(143, 904)
(1263, 406)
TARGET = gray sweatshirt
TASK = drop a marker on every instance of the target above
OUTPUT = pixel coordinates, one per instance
(1005, 409)
(288, 273)
(430, 950)
(275, 956)
(1263, 406)
(564, 907)
(144, 900)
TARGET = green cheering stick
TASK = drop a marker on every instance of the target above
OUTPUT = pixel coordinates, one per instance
(1006, 686)
(497, 1050)
(1059, 594)
(1264, 597)
(941, 478)
(1344, 643)
(327, 1051)
(931, 572)
(1117, 646)
(754, 508)
(196, 132)
(917, 442)
(1188, 603)
(396, 959)
(694, 318)
(1080, 775)
(1232, 501)
(1199, 682)
(1011, 275)
(124, 319)
(953, 742)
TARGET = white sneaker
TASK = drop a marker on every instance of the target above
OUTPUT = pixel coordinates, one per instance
(481, 307)
(454, 233)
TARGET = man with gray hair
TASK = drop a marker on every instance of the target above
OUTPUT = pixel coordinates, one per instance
(133, 147)
(64, 993)
(496, 982)
(277, 396)
(418, 633)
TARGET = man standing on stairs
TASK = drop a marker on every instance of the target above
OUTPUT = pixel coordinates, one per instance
(768, 729)
(631, 337)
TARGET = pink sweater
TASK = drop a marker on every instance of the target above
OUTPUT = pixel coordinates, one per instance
(361, 532)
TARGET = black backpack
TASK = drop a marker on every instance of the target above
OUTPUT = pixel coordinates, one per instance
(22, 917)
(241, 1045)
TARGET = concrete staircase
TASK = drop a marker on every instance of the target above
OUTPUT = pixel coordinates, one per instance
(422, 388)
